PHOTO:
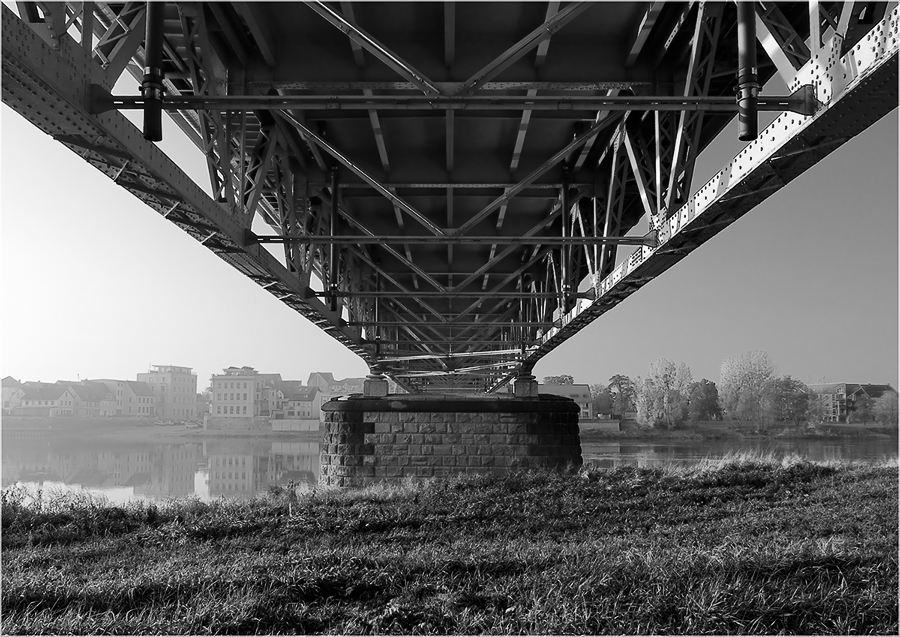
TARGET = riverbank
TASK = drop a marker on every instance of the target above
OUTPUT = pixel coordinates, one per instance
(730, 431)
(744, 545)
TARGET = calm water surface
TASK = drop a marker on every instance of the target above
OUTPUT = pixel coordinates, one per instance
(241, 468)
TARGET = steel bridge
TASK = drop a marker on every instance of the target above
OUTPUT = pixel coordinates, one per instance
(445, 186)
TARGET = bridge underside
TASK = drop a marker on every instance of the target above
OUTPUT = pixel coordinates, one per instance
(444, 187)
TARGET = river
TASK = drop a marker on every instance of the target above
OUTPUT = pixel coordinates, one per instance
(210, 468)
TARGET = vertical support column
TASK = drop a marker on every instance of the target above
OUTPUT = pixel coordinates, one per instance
(748, 81)
(152, 86)
(565, 253)
(332, 248)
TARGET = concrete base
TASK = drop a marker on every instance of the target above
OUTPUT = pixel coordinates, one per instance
(368, 440)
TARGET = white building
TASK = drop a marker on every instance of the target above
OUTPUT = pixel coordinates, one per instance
(175, 389)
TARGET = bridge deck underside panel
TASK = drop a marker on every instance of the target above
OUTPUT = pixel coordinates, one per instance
(445, 185)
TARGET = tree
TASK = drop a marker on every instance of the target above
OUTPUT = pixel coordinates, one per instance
(601, 399)
(787, 399)
(564, 379)
(743, 385)
(703, 401)
(815, 413)
(622, 391)
(886, 408)
(662, 397)
(862, 410)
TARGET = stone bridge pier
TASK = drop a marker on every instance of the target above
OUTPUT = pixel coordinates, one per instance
(386, 438)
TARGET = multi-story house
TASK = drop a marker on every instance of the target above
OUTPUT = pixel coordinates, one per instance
(175, 389)
(238, 392)
(133, 398)
(330, 388)
(838, 399)
(41, 399)
(10, 385)
(92, 399)
(581, 394)
(301, 404)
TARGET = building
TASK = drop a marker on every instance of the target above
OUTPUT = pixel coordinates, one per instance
(175, 389)
(41, 399)
(91, 400)
(240, 392)
(133, 398)
(301, 404)
(330, 388)
(838, 399)
(581, 394)
(10, 385)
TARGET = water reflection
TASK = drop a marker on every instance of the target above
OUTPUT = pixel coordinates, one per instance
(608, 455)
(157, 471)
(244, 467)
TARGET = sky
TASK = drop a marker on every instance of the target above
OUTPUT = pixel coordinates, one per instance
(95, 284)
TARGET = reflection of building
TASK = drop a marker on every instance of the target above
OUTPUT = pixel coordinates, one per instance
(175, 389)
(297, 461)
(838, 399)
(234, 475)
(581, 394)
(172, 472)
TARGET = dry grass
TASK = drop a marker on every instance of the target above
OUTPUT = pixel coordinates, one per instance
(747, 544)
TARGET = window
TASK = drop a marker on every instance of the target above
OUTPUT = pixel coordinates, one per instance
(245, 409)
(245, 395)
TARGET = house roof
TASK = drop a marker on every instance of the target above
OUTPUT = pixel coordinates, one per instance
(877, 391)
(581, 393)
(288, 386)
(140, 388)
(43, 392)
(327, 376)
(826, 388)
(9, 381)
(91, 392)
(305, 394)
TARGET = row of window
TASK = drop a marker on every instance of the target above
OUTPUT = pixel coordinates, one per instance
(230, 409)
(222, 384)
(231, 396)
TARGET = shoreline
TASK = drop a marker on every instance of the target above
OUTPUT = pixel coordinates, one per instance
(133, 429)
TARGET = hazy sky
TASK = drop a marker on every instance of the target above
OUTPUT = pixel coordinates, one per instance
(95, 284)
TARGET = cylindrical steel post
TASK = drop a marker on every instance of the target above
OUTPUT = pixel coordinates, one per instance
(747, 81)
(152, 84)
(565, 265)
(332, 248)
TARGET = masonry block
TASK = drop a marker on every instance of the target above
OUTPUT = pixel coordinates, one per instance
(367, 439)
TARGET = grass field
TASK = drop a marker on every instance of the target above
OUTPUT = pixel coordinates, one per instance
(744, 545)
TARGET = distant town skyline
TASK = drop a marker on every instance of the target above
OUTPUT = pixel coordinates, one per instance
(95, 284)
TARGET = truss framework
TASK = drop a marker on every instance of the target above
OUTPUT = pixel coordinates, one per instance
(521, 244)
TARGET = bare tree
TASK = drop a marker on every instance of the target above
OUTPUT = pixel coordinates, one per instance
(743, 385)
(662, 397)
(886, 408)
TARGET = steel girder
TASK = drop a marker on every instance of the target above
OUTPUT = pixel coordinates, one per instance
(449, 315)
